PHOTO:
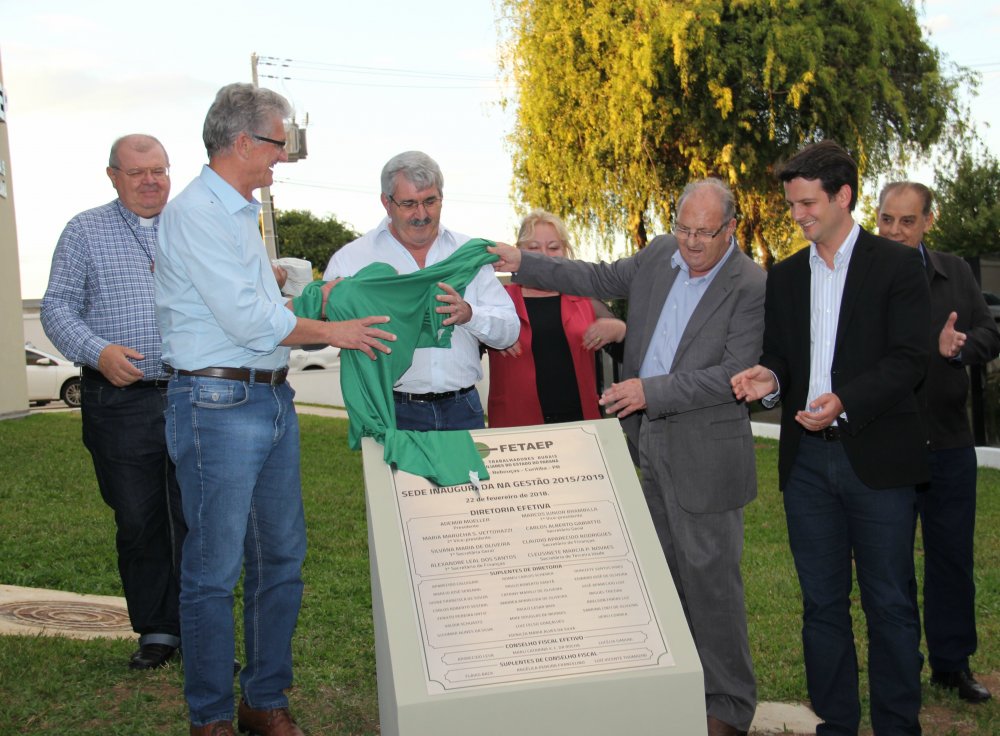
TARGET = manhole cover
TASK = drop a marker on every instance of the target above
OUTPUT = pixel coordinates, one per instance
(69, 615)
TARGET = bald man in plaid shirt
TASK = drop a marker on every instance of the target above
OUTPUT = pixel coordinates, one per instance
(98, 311)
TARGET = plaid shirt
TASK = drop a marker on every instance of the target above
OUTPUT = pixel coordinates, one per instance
(101, 288)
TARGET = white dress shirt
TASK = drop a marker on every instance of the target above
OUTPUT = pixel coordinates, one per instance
(826, 294)
(494, 320)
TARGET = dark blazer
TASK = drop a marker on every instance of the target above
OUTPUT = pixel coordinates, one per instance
(943, 392)
(709, 440)
(880, 357)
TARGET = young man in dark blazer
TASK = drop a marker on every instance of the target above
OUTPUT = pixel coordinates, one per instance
(962, 333)
(845, 346)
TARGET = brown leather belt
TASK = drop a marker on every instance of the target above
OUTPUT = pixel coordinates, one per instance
(403, 396)
(827, 434)
(274, 378)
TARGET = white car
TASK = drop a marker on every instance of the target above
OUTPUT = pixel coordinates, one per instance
(314, 358)
(51, 378)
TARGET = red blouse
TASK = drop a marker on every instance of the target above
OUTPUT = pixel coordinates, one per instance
(513, 399)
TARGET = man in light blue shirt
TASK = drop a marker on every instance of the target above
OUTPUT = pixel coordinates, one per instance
(696, 311)
(681, 302)
(231, 424)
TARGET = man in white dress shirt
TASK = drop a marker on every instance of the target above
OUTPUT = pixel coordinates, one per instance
(438, 391)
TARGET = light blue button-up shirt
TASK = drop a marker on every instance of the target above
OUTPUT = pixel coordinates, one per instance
(681, 302)
(217, 301)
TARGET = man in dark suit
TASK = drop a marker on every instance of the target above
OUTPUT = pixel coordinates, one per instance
(845, 346)
(962, 333)
(695, 317)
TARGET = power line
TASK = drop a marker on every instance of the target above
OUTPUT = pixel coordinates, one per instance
(408, 78)
(373, 84)
(451, 197)
(374, 70)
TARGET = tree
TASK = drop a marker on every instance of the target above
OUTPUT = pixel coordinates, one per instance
(968, 206)
(621, 102)
(300, 234)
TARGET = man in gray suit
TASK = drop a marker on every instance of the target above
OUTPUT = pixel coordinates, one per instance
(696, 316)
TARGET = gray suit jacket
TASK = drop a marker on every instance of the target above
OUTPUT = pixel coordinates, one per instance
(709, 443)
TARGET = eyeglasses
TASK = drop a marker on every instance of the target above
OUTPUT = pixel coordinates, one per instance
(408, 205)
(265, 139)
(681, 231)
(157, 172)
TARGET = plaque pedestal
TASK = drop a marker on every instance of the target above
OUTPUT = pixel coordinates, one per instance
(539, 604)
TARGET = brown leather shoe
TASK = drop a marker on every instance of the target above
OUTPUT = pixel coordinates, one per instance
(721, 728)
(215, 728)
(277, 722)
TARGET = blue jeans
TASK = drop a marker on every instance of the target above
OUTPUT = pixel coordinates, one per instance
(459, 412)
(833, 516)
(947, 509)
(123, 430)
(236, 446)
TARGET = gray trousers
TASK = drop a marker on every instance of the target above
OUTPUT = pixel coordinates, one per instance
(703, 553)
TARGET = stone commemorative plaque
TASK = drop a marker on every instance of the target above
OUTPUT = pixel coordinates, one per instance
(535, 579)
(532, 577)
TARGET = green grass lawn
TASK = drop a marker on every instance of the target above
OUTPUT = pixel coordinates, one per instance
(55, 532)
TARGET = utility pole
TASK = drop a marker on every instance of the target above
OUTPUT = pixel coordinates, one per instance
(267, 204)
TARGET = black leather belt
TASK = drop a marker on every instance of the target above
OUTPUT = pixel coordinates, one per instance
(827, 434)
(403, 396)
(274, 378)
(93, 375)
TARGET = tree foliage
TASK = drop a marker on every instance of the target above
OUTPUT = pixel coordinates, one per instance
(621, 102)
(968, 206)
(300, 234)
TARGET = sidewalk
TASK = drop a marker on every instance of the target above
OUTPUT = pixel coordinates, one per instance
(321, 411)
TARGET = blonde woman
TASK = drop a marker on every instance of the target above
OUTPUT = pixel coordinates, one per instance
(549, 374)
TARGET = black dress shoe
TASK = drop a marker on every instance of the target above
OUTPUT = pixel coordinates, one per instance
(968, 689)
(151, 656)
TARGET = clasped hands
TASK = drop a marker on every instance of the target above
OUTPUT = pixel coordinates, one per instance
(757, 382)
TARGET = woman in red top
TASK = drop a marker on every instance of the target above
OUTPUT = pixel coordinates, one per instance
(559, 336)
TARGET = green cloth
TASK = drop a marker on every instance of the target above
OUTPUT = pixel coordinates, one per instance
(446, 458)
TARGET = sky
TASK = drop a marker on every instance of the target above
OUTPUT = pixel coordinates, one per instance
(374, 79)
